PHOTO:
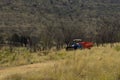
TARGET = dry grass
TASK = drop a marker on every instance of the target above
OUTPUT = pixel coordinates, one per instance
(22, 56)
(99, 63)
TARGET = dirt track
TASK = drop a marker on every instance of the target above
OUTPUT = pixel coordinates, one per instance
(23, 69)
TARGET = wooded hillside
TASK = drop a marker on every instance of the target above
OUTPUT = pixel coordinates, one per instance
(48, 23)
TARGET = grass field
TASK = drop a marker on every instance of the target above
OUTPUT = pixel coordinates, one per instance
(99, 63)
(22, 56)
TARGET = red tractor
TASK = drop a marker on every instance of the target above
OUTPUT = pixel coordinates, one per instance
(79, 44)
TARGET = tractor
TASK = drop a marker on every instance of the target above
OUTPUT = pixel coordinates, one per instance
(79, 44)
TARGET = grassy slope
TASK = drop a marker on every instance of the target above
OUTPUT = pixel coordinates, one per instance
(99, 63)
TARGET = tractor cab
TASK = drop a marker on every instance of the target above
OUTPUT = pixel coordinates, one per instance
(73, 45)
(79, 44)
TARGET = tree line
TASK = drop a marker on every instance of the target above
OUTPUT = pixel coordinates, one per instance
(43, 24)
(104, 30)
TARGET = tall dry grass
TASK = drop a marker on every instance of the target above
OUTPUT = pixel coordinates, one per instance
(99, 63)
(22, 56)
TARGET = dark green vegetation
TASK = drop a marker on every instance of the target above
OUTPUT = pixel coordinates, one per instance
(42, 24)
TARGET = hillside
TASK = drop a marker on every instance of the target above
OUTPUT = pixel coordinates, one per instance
(56, 20)
(37, 13)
